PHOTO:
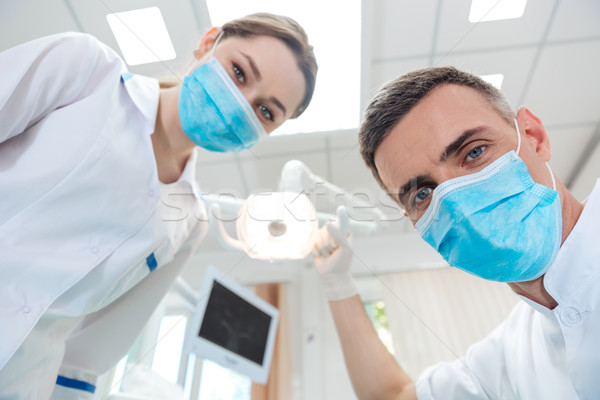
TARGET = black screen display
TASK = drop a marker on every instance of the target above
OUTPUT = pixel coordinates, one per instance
(233, 323)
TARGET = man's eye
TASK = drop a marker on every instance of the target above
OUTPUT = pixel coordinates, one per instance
(473, 154)
(422, 195)
(266, 112)
(239, 73)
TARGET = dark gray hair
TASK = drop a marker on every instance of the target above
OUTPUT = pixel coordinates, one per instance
(398, 97)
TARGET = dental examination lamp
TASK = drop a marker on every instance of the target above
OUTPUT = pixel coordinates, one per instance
(284, 225)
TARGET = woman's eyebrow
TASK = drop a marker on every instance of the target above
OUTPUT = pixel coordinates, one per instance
(253, 67)
(276, 101)
(258, 77)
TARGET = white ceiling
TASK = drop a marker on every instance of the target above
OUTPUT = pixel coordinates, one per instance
(550, 59)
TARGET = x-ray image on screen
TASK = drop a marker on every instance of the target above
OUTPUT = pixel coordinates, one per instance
(232, 326)
(233, 323)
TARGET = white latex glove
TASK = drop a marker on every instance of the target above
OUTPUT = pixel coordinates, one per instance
(333, 254)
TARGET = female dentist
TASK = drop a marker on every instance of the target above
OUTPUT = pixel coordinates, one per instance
(90, 155)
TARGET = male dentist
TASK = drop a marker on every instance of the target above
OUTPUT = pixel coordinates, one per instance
(474, 180)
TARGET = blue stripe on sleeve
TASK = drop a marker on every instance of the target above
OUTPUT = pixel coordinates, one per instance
(151, 261)
(75, 384)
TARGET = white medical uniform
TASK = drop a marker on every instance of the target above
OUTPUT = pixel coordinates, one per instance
(90, 240)
(539, 353)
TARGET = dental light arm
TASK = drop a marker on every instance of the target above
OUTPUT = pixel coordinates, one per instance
(188, 295)
(216, 222)
(297, 177)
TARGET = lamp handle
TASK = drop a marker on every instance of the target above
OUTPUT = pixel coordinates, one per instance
(224, 238)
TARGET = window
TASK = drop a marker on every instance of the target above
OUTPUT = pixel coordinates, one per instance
(379, 319)
(221, 383)
(336, 101)
(167, 355)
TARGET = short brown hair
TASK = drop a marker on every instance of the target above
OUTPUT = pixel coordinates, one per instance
(398, 97)
(289, 32)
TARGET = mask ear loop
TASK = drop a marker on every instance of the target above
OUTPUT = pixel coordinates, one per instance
(519, 149)
(551, 176)
(518, 136)
(212, 51)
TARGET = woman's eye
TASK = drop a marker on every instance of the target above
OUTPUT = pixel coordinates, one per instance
(422, 195)
(266, 113)
(474, 153)
(239, 73)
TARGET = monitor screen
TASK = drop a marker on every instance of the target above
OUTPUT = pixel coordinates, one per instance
(233, 323)
(232, 326)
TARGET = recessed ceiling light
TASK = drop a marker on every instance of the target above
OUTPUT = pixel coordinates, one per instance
(494, 79)
(142, 35)
(493, 10)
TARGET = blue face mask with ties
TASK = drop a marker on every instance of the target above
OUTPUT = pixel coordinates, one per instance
(213, 112)
(497, 224)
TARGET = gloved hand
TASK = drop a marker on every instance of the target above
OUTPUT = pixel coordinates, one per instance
(333, 254)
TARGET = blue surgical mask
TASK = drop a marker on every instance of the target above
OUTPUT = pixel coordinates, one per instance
(497, 224)
(214, 113)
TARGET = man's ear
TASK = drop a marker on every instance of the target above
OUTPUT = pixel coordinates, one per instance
(207, 42)
(535, 133)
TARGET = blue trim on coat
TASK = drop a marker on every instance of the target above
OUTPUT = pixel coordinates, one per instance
(75, 384)
(151, 261)
(125, 76)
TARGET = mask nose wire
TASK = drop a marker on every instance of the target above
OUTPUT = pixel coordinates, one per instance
(519, 149)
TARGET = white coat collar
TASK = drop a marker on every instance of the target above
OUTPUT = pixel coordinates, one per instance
(578, 258)
(144, 92)
(189, 174)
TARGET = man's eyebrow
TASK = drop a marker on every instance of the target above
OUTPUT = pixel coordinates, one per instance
(411, 184)
(452, 148)
(458, 142)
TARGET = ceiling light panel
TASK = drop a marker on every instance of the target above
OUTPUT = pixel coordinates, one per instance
(494, 10)
(494, 79)
(142, 35)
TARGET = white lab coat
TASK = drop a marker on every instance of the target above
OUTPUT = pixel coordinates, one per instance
(89, 239)
(539, 353)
